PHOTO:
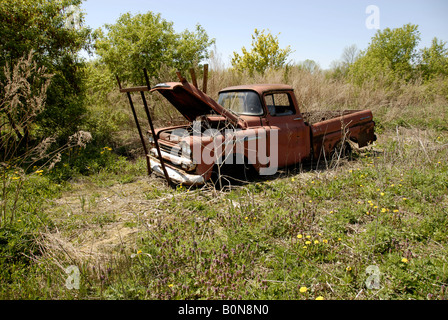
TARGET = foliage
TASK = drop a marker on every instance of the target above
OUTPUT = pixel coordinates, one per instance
(309, 65)
(265, 54)
(149, 41)
(24, 94)
(40, 26)
(434, 60)
(391, 56)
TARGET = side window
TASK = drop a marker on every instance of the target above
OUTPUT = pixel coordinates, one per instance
(279, 104)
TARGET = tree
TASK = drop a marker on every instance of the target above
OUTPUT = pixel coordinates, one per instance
(41, 26)
(349, 55)
(149, 41)
(265, 54)
(434, 60)
(309, 65)
(391, 55)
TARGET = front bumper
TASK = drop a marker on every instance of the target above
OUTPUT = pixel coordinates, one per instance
(176, 175)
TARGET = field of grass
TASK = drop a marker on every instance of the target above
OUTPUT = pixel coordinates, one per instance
(373, 226)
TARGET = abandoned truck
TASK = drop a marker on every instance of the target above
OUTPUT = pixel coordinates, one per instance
(254, 127)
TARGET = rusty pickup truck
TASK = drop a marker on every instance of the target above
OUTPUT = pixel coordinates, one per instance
(254, 127)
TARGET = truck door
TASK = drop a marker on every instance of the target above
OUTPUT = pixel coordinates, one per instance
(293, 134)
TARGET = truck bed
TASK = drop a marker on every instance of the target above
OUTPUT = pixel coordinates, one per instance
(328, 128)
(319, 116)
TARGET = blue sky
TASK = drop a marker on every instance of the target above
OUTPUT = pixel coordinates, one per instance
(317, 30)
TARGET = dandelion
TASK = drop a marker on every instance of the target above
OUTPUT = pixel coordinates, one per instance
(396, 211)
(292, 180)
(404, 199)
(308, 242)
(325, 241)
(246, 218)
(375, 207)
(304, 247)
(348, 268)
(320, 298)
(331, 212)
(303, 289)
(383, 210)
(316, 241)
(339, 239)
(15, 178)
(139, 252)
(171, 285)
(382, 193)
(299, 236)
(404, 260)
(308, 237)
(311, 201)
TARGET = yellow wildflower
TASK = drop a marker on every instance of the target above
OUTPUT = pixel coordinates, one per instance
(404, 260)
(303, 289)
(299, 236)
(316, 241)
(320, 298)
(308, 242)
(171, 285)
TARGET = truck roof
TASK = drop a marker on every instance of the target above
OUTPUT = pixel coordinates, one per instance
(260, 88)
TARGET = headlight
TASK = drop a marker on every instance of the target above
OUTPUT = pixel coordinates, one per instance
(151, 140)
(185, 148)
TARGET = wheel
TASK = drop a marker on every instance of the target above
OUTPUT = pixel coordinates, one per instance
(341, 150)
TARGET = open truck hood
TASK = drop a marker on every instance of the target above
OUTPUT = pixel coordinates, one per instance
(191, 102)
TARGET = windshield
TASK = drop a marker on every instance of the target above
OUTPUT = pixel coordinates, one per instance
(241, 102)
